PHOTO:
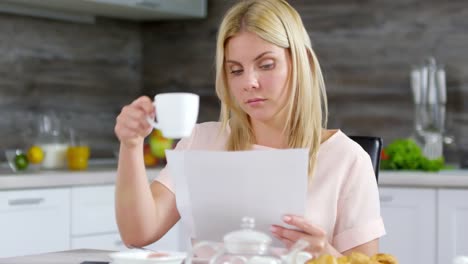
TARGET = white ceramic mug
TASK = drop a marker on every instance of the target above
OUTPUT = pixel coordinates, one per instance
(176, 114)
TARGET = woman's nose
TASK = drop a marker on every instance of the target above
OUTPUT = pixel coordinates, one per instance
(251, 80)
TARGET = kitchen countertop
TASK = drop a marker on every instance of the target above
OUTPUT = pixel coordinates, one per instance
(63, 257)
(97, 174)
(52, 179)
(442, 179)
(104, 172)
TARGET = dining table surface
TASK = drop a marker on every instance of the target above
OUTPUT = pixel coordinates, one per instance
(76, 256)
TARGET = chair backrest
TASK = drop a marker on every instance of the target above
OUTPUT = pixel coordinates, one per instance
(373, 146)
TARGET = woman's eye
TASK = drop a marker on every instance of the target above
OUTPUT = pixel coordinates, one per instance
(267, 66)
(236, 72)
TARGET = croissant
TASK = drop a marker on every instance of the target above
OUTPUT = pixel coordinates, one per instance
(355, 258)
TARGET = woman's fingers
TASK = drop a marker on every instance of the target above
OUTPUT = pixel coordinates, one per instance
(131, 123)
(286, 233)
(145, 104)
(136, 119)
(303, 230)
(287, 243)
(138, 127)
(146, 107)
(289, 237)
(302, 224)
(130, 118)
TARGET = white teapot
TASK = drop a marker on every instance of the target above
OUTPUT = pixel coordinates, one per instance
(248, 246)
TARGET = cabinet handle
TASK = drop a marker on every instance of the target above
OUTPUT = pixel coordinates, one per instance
(25, 201)
(386, 198)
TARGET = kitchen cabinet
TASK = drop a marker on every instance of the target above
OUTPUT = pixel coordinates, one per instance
(85, 10)
(409, 216)
(453, 224)
(55, 219)
(425, 224)
(171, 241)
(93, 210)
(34, 221)
(93, 221)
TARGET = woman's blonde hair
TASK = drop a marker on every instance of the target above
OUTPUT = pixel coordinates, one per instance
(275, 21)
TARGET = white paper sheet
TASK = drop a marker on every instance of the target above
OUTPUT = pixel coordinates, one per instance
(215, 189)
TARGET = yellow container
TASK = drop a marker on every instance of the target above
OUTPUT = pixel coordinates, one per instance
(77, 157)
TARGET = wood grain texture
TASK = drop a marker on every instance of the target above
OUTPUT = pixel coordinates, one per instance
(87, 72)
(83, 72)
(366, 49)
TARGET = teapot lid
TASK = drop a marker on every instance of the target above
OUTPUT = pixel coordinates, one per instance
(247, 240)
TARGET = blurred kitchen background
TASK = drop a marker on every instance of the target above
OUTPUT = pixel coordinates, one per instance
(85, 71)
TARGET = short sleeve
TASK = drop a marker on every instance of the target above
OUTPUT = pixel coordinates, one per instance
(164, 176)
(358, 215)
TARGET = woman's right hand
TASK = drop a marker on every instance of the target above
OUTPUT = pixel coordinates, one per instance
(131, 126)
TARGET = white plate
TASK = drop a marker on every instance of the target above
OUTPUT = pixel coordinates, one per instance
(145, 257)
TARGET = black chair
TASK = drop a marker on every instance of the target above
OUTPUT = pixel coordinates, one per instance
(373, 146)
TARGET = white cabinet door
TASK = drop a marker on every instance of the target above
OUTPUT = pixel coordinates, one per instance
(93, 221)
(453, 224)
(93, 210)
(171, 241)
(409, 215)
(34, 221)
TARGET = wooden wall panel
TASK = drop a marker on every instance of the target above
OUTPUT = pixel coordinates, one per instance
(366, 49)
(82, 72)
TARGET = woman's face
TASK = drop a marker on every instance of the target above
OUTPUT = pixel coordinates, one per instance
(257, 74)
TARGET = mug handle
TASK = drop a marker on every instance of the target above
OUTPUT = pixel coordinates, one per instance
(153, 123)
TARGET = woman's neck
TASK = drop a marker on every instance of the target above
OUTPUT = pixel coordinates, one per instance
(273, 136)
(269, 135)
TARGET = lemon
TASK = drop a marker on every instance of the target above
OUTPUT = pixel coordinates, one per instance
(35, 154)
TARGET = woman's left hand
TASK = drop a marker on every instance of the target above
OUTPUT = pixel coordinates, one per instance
(314, 235)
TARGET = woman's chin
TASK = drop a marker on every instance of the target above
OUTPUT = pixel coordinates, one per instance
(260, 117)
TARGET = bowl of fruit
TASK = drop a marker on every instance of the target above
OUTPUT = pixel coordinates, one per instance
(21, 160)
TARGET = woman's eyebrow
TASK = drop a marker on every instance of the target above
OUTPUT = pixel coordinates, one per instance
(256, 58)
(262, 54)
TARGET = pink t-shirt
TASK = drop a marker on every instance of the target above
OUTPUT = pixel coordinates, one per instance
(343, 198)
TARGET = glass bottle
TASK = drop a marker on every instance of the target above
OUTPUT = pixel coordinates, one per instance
(52, 141)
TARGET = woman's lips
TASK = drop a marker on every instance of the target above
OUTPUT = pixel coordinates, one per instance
(255, 101)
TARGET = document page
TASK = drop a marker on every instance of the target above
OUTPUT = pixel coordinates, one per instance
(216, 189)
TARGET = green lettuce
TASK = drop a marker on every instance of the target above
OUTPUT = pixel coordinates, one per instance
(405, 154)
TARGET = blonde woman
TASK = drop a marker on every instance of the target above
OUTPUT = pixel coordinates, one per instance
(272, 96)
